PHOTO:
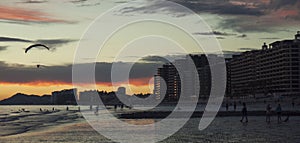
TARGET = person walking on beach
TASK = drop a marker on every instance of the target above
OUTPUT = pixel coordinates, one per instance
(278, 111)
(268, 113)
(97, 110)
(244, 113)
(227, 106)
(234, 105)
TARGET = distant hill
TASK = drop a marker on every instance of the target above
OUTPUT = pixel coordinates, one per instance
(23, 99)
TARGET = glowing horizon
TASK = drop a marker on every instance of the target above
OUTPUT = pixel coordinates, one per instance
(46, 88)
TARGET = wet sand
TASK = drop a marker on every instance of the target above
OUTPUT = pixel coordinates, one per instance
(69, 127)
(223, 129)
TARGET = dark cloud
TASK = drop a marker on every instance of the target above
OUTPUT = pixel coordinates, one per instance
(272, 38)
(243, 24)
(33, 1)
(54, 43)
(217, 33)
(78, 1)
(154, 7)
(121, 2)
(11, 39)
(239, 15)
(155, 59)
(199, 6)
(14, 22)
(20, 22)
(162, 59)
(276, 14)
(21, 74)
(85, 3)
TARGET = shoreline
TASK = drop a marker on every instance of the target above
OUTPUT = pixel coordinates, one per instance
(196, 114)
(19, 123)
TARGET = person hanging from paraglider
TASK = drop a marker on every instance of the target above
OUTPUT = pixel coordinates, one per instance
(36, 46)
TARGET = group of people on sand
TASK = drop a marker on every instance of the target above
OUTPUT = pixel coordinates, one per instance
(268, 113)
(23, 110)
(47, 110)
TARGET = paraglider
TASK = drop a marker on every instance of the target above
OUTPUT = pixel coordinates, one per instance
(36, 46)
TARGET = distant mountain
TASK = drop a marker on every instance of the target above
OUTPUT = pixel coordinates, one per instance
(23, 99)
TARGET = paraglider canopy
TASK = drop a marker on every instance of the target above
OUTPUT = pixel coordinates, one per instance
(36, 45)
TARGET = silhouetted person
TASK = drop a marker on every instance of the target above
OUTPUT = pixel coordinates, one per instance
(227, 106)
(97, 110)
(38, 66)
(234, 105)
(41, 110)
(268, 113)
(53, 109)
(278, 111)
(244, 113)
(67, 108)
(122, 106)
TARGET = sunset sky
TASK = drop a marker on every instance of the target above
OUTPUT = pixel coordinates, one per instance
(238, 25)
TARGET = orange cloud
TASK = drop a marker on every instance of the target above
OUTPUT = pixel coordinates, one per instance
(37, 83)
(140, 81)
(135, 82)
(19, 14)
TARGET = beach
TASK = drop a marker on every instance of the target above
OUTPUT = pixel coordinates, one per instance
(70, 127)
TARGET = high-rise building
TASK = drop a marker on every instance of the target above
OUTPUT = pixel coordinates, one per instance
(193, 71)
(167, 83)
(273, 70)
